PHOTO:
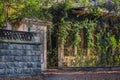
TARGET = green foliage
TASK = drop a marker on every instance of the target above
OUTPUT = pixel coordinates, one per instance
(64, 27)
(89, 26)
(31, 8)
(113, 41)
(2, 18)
(13, 9)
(99, 36)
(84, 2)
(101, 42)
(97, 10)
(117, 2)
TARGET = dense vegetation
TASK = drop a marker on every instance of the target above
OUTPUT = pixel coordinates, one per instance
(95, 33)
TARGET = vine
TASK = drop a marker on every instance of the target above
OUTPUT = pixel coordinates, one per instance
(76, 33)
(99, 31)
(89, 25)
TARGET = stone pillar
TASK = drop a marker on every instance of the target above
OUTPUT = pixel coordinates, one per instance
(40, 26)
(60, 56)
(44, 55)
(22, 26)
(75, 50)
(9, 27)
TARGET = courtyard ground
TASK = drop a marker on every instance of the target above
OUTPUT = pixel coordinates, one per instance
(55, 74)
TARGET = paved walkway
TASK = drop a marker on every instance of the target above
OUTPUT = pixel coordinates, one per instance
(74, 75)
(81, 75)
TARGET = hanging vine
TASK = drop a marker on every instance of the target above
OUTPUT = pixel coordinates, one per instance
(76, 26)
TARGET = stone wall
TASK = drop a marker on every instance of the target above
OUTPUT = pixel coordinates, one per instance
(20, 58)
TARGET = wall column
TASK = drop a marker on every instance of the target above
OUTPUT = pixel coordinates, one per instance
(60, 56)
(44, 55)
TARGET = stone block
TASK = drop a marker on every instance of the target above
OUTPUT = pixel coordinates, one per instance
(36, 47)
(27, 71)
(20, 64)
(24, 52)
(16, 64)
(33, 52)
(1, 46)
(24, 46)
(2, 72)
(10, 71)
(13, 46)
(29, 64)
(28, 47)
(3, 58)
(2, 65)
(4, 45)
(18, 70)
(18, 58)
(36, 71)
(34, 64)
(10, 65)
(4, 52)
(26, 58)
(19, 46)
(35, 58)
(16, 52)
(38, 64)
(29, 52)
(38, 53)
(8, 58)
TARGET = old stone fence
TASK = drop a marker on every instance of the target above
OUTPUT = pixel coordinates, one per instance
(20, 53)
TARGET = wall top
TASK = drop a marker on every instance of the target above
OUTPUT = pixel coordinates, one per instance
(37, 22)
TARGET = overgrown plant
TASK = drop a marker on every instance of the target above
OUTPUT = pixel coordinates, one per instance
(101, 42)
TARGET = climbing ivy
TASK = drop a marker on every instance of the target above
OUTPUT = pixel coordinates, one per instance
(76, 33)
(89, 25)
(99, 34)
